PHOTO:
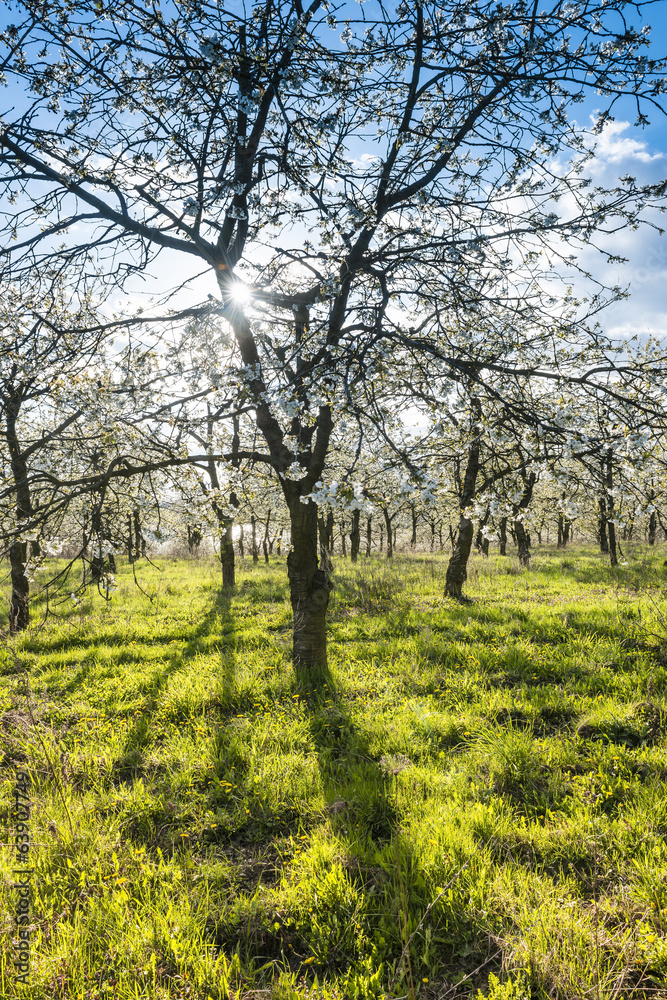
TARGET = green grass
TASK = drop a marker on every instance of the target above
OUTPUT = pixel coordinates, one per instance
(471, 801)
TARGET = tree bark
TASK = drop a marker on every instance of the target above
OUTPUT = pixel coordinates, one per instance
(369, 535)
(503, 536)
(310, 586)
(413, 537)
(611, 527)
(602, 525)
(19, 609)
(390, 541)
(325, 550)
(253, 533)
(457, 568)
(355, 536)
(522, 536)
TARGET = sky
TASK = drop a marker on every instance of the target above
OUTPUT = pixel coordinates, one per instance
(622, 149)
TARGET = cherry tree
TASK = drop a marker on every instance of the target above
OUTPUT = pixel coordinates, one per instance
(345, 189)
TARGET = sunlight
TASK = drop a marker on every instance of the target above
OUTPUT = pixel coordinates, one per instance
(240, 294)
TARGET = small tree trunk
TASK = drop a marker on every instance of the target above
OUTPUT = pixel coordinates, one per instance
(355, 536)
(19, 609)
(611, 527)
(325, 552)
(390, 540)
(652, 528)
(130, 541)
(139, 543)
(481, 542)
(265, 540)
(522, 536)
(413, 537)
(310, 586)
(503, 536)
(457, 568)
(523, 543)
(227, 561)
(602, 525)
(253, 530)
(279, 543)
(369, 534)
(432, 534)
(394, 539)
(241, 537)
(382, 538)
(343, 537)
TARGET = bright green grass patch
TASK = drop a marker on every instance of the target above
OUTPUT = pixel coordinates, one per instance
(471, 801)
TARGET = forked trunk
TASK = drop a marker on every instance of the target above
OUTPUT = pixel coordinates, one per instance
(310, 587)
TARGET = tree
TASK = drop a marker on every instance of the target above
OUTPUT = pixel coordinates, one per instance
(50, 367)
(221, 136)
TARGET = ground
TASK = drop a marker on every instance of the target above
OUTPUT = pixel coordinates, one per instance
(470, 802)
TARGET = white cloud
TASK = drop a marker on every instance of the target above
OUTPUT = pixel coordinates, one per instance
(613, 147)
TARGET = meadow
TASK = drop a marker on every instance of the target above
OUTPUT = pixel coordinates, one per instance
(471, 802)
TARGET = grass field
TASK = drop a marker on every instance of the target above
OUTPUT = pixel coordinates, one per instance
(471, 802)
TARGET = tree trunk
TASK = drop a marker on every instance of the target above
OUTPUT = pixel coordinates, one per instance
(227, 553)
(652, 528)
(265, 540)
(457, 568)
(432, 534)
(413, 537)
(523, 543)
(481, 542)
(611, 527)
(369, 535)
(253, 530)
(139, 541)
(279, 543)
(382, 538)
(602, 525)
(325, 551)
(241, 547)
(310, 586)
(355, 536)
(390, 540)
(343, 537)
(522, 536)
(19, 609)
(503, 536)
